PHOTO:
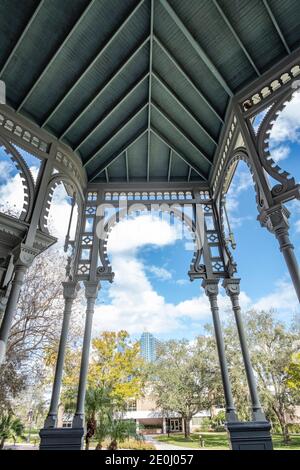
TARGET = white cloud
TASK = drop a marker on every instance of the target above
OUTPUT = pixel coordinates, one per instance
(181, 282)
(280, 153)
(159, 272)
(287, 125)
(129, 235)
(283, 299)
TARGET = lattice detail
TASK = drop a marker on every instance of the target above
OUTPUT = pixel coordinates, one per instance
(227, 147)
(67, 163)
(23, 133)
(148, 196)
(271, 88)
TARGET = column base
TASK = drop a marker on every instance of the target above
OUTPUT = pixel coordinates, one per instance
(50, 421)
(254, 435)
(61, 439)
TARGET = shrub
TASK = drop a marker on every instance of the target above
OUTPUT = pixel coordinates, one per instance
(134, 444)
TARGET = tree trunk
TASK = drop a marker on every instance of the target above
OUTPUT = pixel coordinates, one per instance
(187, 431)
(2, 443)
(285, 431)
(284, 426)
(113, 445)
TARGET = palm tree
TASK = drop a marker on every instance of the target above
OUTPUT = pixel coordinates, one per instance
(10, 428)
(97, 405)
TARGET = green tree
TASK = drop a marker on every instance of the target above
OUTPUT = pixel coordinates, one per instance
(183, 381)
(293, 374)
(10, 428)
(116, 374)
(271, 346)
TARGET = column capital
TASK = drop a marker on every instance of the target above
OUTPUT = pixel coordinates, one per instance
(24, 255)
(91, 289)
(210, 286)
(232, 286)
(70, 289)
(275, 218)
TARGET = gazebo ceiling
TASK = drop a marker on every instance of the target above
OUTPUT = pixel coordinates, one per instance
(139, 89)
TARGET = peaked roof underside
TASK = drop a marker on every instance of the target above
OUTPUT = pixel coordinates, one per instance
(139, 89)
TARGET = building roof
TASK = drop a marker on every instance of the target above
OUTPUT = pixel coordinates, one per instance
(139, 89)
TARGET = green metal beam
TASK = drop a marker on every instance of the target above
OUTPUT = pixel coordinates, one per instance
(111, 111)
(182, 133)
(184, 107)
(150, 86)
(174, 150)
(276, 25)
(19, 41)
(188, 79)
(110, 139)
(126, 165)
(196, 46)
(236, 36)
(107, 84)
(189, 174)
(111, 159)
(49, 64)
(92, 63)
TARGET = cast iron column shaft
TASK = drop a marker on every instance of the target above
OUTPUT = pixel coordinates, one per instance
(287, 249)
(91, 290)
(232, 287)
(275, 220)
(70, 291)
(211, 290)
(11, 306)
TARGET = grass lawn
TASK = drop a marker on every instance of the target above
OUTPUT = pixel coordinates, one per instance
(218, 441)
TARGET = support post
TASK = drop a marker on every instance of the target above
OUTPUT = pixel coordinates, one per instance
(70, 289)
(211, 290)
(232, 288)
(24, 256)
(275, 220)
(91, 291)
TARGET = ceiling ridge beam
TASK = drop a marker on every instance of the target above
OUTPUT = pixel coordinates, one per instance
(41, 76)
(114, 157)
(198, 49)
(174, 150)
(150, 86)
(92, 63)
(276, 25)
(112, 110)
(15, 47)
(170, 165)
(184, 107)
(181, 132)
(188, 79)
(94, 155)
(105, 86)
(236, 36)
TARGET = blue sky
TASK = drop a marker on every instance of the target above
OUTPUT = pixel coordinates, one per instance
(152, 290)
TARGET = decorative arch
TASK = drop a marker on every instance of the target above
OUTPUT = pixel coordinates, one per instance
(285, 181)
(25, 175)
(240, 154)
(55, 180)
(190, 224)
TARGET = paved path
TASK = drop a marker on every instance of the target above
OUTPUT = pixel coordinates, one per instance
(164, 446)
(21, 446)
